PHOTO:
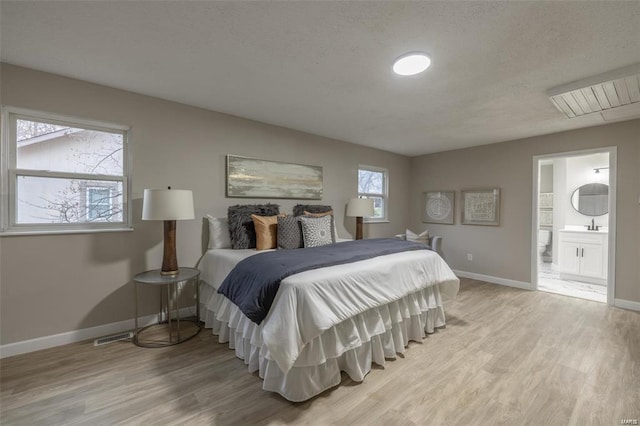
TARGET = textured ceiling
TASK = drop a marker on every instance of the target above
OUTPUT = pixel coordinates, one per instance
(325, 67)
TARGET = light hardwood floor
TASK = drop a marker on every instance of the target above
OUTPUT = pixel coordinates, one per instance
(507, 356)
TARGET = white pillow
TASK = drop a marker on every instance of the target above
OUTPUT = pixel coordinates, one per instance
(418, 238)
(317, 231)
(333, 221)
(219, 236)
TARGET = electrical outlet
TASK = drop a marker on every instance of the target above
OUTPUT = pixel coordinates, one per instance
(469, 256)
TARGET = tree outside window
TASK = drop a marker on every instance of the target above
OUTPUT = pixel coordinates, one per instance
(64, 174)
(373, 184)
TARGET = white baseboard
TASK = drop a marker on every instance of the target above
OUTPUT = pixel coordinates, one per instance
(627, 304)
(75, 336)
(494, 280)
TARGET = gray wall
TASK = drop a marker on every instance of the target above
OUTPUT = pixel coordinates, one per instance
(56, 283)
(505, 251)
(546, 178)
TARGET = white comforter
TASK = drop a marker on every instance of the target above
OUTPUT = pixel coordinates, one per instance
(311, 302)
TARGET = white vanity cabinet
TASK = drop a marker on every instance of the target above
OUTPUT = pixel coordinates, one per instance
(583, 255)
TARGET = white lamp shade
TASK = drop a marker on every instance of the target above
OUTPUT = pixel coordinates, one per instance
(360, 207)
(167, 204)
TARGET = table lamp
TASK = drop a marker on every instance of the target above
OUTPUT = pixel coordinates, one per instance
(168, 205)
(360, 207)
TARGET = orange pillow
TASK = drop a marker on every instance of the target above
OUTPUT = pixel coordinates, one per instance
(266, 231)
(330, 212)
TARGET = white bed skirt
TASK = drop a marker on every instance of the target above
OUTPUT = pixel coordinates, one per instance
(350, 346)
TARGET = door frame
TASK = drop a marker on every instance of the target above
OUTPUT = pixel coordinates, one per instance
(611, 258)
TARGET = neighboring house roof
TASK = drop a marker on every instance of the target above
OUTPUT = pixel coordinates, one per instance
(48, 136)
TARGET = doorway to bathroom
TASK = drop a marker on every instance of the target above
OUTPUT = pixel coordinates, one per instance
(573, 226)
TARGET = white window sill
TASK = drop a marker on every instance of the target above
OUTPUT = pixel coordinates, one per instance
(376, 221)
(18, 233)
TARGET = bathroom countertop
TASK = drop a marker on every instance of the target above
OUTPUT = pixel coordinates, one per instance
(602, 230)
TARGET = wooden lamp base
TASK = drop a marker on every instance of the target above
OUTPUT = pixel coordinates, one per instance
(358, 227)
(169, 258)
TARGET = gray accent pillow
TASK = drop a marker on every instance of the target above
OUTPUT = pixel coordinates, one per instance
(289, 232)
(316, 231)
(241, 229)
(299, 209)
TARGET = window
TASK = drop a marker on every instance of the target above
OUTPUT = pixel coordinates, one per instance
(62, 174)
(99, 204)
(373, 182)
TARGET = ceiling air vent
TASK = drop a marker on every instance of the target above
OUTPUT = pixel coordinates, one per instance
(615, 90)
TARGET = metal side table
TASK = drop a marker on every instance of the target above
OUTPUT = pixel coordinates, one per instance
(173, 320)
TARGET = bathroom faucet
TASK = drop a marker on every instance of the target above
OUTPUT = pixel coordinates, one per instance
(593, 226)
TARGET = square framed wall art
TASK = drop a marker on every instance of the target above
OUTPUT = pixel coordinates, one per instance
(439, 207)
(481, 207)
(546, 218)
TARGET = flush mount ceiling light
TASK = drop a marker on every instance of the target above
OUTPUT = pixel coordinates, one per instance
(411, 63)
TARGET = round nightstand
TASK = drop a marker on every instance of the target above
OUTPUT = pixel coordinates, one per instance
(171, 326)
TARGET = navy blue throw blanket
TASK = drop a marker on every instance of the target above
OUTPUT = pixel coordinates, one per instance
(253, 283)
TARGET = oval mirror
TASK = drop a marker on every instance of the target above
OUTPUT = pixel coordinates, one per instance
(591, 199)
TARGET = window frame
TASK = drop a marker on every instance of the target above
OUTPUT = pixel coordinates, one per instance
(9, 174)
(384, 196)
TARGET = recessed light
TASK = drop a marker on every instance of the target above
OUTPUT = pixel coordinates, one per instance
(411, 63)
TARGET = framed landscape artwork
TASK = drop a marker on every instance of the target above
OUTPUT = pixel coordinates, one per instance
(253, 178)
(438, 207)
(481, 207)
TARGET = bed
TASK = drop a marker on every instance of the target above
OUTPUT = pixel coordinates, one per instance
(338, 318)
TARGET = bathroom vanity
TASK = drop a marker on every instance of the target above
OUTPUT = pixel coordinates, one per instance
(583, 255)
